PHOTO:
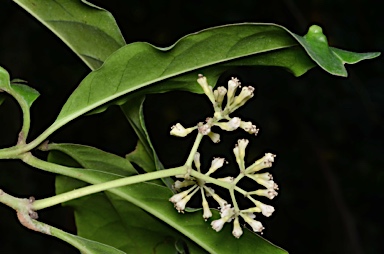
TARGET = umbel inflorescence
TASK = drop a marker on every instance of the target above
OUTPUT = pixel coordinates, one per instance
(195, 181)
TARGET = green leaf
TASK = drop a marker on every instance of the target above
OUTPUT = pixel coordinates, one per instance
(330, 59)
(22, 93)
(5, 84)
(84, 245)
(141, 157)
(154, 199)
(90, 31)
(28, 94)
(210, 51)
(145, 153)
(90, 157)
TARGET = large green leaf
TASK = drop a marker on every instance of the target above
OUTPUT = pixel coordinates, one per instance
(91, 32)
(90, 157)
(210, 51)
(153, 199)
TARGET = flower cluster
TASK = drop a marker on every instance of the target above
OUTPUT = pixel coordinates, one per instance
(196, 181)
(221, 116)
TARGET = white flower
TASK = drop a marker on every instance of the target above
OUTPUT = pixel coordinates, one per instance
(249, 127)
(265, 176)
(181, 184)
(265, 162)
(180, 205)
(256, 225)
(237, 231)
(214, 137)
(266, 210)
(227, 211)
(269, 184)
(206, 88)
(245, 94)
(179, 131)
(231, 125)
(233, 84)
(219, 200)
(269, 193)
(217, 225)
(219, 94)
(204, 129)
(206, 211)
(216, 164)
(179, 196)
(239, 152)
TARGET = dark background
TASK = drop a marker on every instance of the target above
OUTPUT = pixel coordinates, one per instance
(326, 131)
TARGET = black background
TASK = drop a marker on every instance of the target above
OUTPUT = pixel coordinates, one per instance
(326, 131)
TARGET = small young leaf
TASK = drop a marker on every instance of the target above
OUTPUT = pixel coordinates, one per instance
(23, 93)
(5, 84)
(27, 93)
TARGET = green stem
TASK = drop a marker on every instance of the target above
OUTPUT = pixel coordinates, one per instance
(209, 179)
(233, 198)
(61, 198)
(195, 146)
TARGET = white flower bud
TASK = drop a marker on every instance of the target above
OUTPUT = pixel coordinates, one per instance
(265, 176)
(179, 196)
(233, 84)
(265, 162)
(227, 211)
(206, 211)
(256, 225)
(269, 193)
(219, 200)
(180, 205)
(231, 125)
(206, 88)
(217, 225)
(179, 131)
(216, 164)
(219, 94)
(178, 184)
(269, 184)
(266, 210)
(242, 98)
(237, 231)
(214, 137)
(204, 129)
(249, 127)
(239, 152)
